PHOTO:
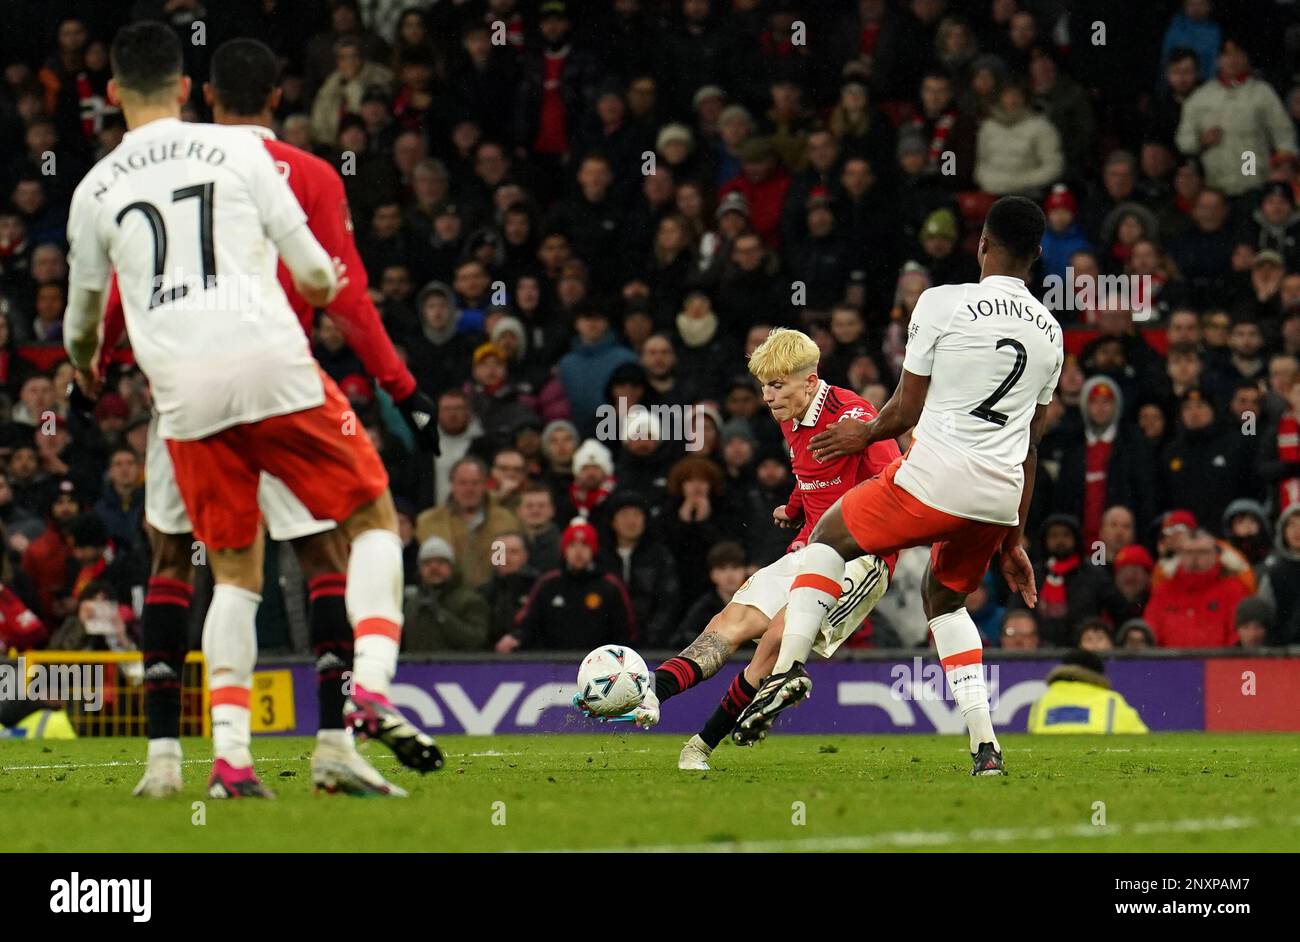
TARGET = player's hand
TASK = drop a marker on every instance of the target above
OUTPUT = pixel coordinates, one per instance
(784, 520)
(421, 416)
(90, 383)
(1019, 573)
(846, 437)
(321, 297)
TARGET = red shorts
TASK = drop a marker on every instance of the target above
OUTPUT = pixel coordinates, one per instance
(884, 519)
(322, 454)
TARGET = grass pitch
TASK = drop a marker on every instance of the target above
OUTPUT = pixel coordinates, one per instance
(1170, 792)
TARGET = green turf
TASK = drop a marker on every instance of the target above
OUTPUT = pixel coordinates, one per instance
(1162, 792)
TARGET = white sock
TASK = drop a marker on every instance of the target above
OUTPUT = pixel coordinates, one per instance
(815, 591)
(961, 652)
(341, 738)
(230, 652)
(374, 603)
(165, 748)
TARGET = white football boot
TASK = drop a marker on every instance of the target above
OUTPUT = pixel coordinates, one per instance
(695, 755)
(162, 771)
(337, 767)
(647, 714)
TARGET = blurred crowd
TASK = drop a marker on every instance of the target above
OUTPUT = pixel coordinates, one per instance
(565, 205)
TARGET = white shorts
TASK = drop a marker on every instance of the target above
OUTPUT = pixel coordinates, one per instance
(286, 517)
(865, 581)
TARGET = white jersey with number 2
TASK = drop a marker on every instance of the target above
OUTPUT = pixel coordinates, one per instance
(187, 214)
(993, 353)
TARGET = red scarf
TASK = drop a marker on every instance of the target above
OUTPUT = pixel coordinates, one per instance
(1288, 451)
(1051, 597)
(1235, 81)
(1096, 463)
(586, 501)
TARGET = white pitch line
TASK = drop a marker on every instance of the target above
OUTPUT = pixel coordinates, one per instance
(894, 839)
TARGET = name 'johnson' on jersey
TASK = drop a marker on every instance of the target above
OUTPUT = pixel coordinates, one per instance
(993, 353)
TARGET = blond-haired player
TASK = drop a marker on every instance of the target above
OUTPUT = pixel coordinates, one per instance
(803, 404)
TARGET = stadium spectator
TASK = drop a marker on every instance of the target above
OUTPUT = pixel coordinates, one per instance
(1118, 530)
(440, 613)
(121, 506)
(507, 590)
(1019, 631)
(470, 521)
(1079, 700)
(1233, 115)
(726, 562)
(1111, 465)
(1195, 607)
(1070, 587)
(541, 535)
(99, 623)
(1132, 568)
(1017, 150)
(1279, 582)
(1093, 634)
(576, 607)
(1255, 620)
(1135, 635)
(646, 568)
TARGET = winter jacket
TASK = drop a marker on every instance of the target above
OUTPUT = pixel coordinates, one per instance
(505, 597)
(339, 96)
(650, 575)
(584, 371)
(1131, 478)
(19, 626)
(1195, 609)
(447, 617)
(1280, 584)
(1058, 247)
(471, 541)
(1252, 118)
(576, 611)
(1080, 701)
(1020, 154)
(765, 199)
(1205, 469)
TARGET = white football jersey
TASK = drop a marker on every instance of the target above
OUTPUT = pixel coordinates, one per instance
(185, 214)
(993, 353)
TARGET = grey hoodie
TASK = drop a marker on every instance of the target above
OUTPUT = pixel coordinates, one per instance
(438, 337)
(1108, 433)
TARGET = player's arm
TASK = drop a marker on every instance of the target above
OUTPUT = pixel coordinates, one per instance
(1015, 564)
(88, 274)
(355, 313)
(791, 514)
(899, 414)
(316, 276)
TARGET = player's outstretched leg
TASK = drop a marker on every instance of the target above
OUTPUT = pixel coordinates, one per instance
(961, 652)
(695, 754)
(164, 634)
(374, 604)
(813, 595)
(230, 653)
(702, 658)
(336, 766)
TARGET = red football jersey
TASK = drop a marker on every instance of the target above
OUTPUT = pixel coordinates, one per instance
(819, 484)
(319, 190)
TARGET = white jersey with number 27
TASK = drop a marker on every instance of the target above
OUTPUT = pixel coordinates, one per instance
(993, 353)
(187, 216)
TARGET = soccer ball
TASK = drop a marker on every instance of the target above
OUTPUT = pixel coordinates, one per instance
(612, 680)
